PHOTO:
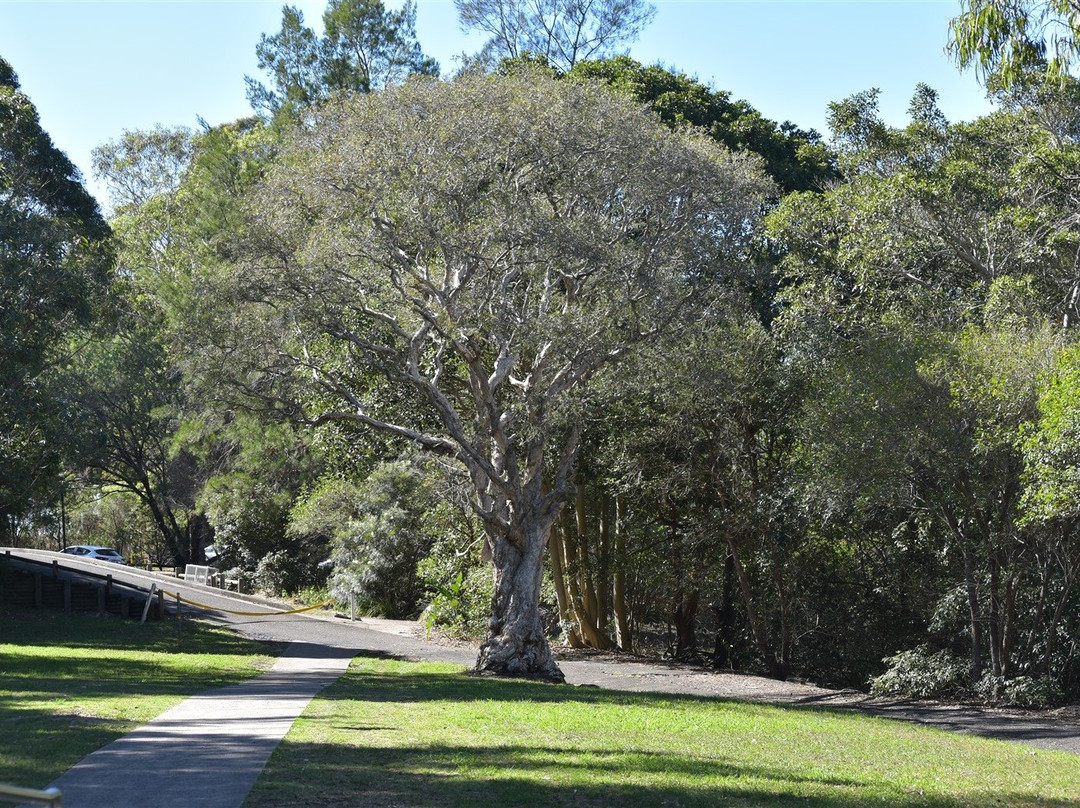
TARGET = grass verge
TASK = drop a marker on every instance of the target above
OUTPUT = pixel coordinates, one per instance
(403, 734)
(71, 683)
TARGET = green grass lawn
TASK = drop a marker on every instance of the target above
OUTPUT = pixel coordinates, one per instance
(70, 683)
(402, 734)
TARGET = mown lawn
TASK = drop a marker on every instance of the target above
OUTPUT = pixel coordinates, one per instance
(406, 734)
(403, 734)
(71, 683)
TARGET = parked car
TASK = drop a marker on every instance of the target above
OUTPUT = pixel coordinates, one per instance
(92, 551)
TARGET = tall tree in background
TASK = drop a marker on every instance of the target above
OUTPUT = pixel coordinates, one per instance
(797, 159)
(364, 47)
(509, 238)
(1008, 38)
(924, 297)
(561, 32)
(128, 399)
(55, 263)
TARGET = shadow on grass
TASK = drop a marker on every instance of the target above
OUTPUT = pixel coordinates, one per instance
(36, 746)
(51, 704)
(377, 763)
(422, 687)
(47, 628)
(431, 776)
(1034, 730)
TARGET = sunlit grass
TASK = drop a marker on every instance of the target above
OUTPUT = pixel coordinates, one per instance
(71, 683)
(401, 734)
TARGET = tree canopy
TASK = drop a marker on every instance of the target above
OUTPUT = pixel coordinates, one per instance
(799, 160)
(364, 47)
(1009, 38)
(511, 236)
(55, 263)
(562, 33)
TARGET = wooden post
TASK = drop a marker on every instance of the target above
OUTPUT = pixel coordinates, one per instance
(149, 600)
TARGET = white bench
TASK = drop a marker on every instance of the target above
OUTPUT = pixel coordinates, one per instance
(208, 576)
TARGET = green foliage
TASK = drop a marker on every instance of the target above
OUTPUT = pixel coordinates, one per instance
(248, 515)
(379, 535)
(364, 47)
(126, 400)
(1020, 691)
(797, 159)
(119, 519)
(1005, 39)
(922, 674)
(143, 166)
(287, 570)
(921, 299)
(1052, 445)
(55, 265)
(454, 572)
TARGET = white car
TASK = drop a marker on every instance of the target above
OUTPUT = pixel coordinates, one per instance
(92, 551)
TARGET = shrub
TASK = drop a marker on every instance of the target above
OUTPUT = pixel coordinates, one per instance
(920, 674)
(378, 533)
(462, 606)
(1020, 691)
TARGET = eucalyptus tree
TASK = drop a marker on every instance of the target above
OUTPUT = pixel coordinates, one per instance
(364, 47)
(562, 33)
(1006, 39)
(451, 264)
(55, 265)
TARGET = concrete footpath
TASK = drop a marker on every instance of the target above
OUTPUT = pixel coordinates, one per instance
(207, 751)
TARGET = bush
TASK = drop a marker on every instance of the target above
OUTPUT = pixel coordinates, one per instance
(378, 533)
(462, 606)
(282, 572)
(920, 674)
(1020, 691)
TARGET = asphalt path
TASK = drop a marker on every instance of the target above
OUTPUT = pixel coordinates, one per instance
(404, 640)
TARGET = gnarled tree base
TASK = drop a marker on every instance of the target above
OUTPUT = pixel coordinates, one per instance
(523, 657)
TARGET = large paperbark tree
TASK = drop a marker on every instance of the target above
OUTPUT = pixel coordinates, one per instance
(451, 263)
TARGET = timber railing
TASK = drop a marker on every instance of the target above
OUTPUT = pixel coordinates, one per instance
(103, 583)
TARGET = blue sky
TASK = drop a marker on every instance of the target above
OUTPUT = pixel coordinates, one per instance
(94, 69)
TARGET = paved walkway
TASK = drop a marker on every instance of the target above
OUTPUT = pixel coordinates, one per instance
(207, 751)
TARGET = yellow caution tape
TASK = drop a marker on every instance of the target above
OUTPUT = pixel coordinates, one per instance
(182, 599)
